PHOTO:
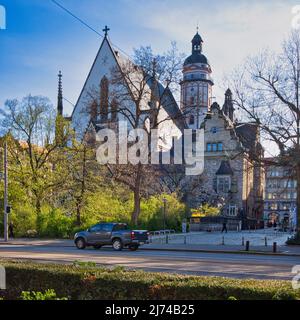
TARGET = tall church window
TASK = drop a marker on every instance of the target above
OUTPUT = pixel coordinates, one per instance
(94, 110)
(104, 97)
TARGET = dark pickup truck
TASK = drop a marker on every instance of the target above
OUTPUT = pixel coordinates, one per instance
(116, 234)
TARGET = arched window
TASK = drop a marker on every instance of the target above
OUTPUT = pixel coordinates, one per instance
(94, 110)
(192, 120)
(104, 98)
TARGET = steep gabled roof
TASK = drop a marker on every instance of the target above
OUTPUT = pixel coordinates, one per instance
(169, 104)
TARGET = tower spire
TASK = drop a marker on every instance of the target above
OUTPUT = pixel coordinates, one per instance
(228, 107)
(197, 43)
(60, 95)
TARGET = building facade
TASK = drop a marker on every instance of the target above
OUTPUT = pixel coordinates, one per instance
(280, 194)
(231, 180)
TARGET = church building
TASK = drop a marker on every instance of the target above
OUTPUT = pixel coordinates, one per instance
(232, 177)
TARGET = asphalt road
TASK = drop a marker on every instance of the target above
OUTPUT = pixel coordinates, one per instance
(196, 263)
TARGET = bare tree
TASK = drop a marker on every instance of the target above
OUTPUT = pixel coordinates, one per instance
(137, 92)
(266, 92)
(33, 146)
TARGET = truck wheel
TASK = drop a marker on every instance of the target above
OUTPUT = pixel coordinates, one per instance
(117, 245)
(80, 243)
(133, 248)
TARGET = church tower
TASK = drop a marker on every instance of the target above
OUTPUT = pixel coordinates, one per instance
(196, 86)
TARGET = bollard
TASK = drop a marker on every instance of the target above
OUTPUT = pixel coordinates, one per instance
(167, 239)
(184, 239)
(243, 241)
(223, 241)
(266, 242)
(274, 247)
(247, 245)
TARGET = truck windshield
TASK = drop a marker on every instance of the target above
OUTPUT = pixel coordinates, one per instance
(120, 226)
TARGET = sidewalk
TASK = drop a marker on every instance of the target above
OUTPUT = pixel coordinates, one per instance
(281, 250)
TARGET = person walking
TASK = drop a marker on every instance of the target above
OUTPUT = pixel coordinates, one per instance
(11, 230)
(224, 226)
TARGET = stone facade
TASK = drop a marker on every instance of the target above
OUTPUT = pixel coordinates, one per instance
(232, 177)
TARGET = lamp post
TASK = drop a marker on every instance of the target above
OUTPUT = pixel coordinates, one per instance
(164, 210)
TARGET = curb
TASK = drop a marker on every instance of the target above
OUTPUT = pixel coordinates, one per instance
(225, 251)
(171, 249)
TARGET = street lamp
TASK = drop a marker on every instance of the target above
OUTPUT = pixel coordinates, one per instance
(164, 209)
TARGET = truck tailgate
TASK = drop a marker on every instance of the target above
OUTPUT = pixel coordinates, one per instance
(140, 235)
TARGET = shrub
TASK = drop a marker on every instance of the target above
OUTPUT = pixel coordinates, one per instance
(48, 295)
(152, 216)
(54, 223)
(104, 283)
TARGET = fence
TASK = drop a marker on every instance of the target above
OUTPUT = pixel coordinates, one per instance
(233, 238)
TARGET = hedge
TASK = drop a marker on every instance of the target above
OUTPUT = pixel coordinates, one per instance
(80, 282)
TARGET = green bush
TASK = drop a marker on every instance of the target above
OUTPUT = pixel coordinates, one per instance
(152, 215)
(77, 282)
(54, 223)
(47, 295)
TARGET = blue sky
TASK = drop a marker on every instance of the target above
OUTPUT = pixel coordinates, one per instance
(41, 39)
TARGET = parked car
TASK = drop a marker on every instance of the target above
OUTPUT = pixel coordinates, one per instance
(116, 234)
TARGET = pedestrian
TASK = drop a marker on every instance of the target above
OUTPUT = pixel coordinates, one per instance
(224, 227)
(11, 230)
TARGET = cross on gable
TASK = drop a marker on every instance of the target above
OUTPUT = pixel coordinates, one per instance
(105, 30)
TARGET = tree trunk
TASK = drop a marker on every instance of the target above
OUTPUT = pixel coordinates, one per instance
(78, 214)
(38, 210)
(137, 196)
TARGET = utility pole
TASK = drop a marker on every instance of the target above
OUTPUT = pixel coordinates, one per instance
(5, 193)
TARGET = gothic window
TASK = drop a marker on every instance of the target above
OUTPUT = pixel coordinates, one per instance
(192, 120)
(94, 110)
(192, 100)
(104, 97)
(223, 184)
